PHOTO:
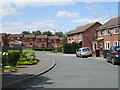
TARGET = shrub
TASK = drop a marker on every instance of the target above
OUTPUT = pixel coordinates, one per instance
(27, 62)
(12, 57)
(4, 59)
(23, 59)
(70, 48)
(29, 54)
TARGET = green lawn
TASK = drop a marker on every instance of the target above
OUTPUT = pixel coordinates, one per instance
(47, 52)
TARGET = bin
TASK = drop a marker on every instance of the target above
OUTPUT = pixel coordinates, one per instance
(97, 52)
(105, 53)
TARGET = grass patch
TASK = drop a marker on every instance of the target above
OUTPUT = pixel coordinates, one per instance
(47, 52)
(9, 68)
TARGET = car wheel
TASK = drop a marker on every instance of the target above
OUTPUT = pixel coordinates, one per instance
(76, 55)
(81, 56)
(113, 62)
(107, 59)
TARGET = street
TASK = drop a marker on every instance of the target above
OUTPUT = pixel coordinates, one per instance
(75, 72)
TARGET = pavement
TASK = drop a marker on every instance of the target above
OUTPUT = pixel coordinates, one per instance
(27, 72)
(94, 57)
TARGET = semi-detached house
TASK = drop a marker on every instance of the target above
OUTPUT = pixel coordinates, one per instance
(108, 35)
(84, 35)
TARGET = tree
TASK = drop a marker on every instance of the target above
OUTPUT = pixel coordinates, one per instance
(36, 32)
(47, 33)
(64, 39)
(60, 34)
(26, 32)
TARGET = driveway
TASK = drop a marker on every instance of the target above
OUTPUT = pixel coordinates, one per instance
(74, 72)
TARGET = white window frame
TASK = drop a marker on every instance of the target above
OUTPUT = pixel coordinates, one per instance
(42, 39)
(115, 30)
(80, 36)
(49, 40)
(116, 43)
(100, 33)
(106, 43)
(107, 32)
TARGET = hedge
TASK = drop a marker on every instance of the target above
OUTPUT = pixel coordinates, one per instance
(59, 49)
(70, 48)
(10, 58)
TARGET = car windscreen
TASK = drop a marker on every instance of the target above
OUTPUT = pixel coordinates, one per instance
(117, 48)
(86, 49)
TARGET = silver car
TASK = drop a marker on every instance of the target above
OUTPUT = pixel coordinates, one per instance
(85, 51)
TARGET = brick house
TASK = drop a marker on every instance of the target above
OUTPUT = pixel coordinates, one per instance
(84, 35)
(29, 40)
(41, 41)
(108, 35)
(15, 39)
(3, 39)
(54, 41)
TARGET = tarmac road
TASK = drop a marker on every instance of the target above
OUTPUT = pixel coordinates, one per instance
(74, 72)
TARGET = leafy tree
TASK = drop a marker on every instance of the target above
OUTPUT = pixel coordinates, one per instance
(47, 33)
(26, 32)
(36, 32)
(64, 39)
(60, 34)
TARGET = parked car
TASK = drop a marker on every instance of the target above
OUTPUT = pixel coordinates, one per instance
(113, 55)
(85, 51)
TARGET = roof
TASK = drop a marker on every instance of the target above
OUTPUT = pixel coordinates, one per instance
(3, 34)
(82, 28)
(41, 36)
(29, 36)
(16, 35)
(53, 37)
(112, 22)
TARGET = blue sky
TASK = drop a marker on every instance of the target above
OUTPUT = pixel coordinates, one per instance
(18, 17)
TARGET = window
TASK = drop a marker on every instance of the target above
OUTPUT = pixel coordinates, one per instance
(18, 38)
(100, 33)
(107, 45)
(37, 40)
(49, 40)
(80, 36)
(76, 36)
(116, 43)
(107, 32)
(54, 40)
(0, 38)
(42, 39)
(12, 38)
(115, 30)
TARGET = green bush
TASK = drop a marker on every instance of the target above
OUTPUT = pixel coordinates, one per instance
(4, 59)
(70, 48)
(12, 57)
(23, 59)
(27, 62)
(29, 54)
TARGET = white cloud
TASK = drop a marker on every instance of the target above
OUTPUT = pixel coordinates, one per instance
(18, 27)
(67, 14)
(101, 19)
(13, 8)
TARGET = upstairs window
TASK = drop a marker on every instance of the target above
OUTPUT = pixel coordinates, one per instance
(107, 32)
(42, 39)
(18, 38)
(100, 33)
(80, 36)
(115, 30)
(49, 40)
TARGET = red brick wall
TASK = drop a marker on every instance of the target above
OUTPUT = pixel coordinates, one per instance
(88, 40)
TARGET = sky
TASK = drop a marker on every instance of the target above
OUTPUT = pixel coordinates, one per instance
(53, 16)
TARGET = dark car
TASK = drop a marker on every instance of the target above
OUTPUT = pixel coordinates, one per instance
(114, 55)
